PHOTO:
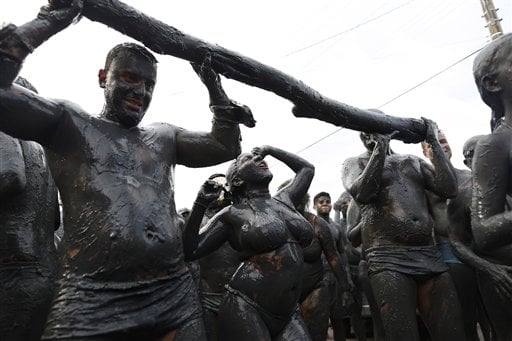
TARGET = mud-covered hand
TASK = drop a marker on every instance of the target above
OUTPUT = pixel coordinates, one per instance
(62, 13)
(209, 192)
(261, 151)
(502, 277)
(221, 105)
(431, 134)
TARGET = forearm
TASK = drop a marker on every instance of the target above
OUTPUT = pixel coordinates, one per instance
(493, 232)
(339, 266)
(366, 185)
(18, 42)
(294, 161)
(228, 135)
(191, 230)
(445, 178)
(469, 257)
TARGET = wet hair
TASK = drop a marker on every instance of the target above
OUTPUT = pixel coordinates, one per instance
(468, 150)
(321, 194)
(216, 175)
(231, 174)
(133, 48)
(487, 63)
(25, 83)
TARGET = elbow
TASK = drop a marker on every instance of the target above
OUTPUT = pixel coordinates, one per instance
(309, 172)
(452, 192)
(11, 183)
(483, 237)
(364, 197)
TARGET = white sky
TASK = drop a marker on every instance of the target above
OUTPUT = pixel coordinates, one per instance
(370, 58)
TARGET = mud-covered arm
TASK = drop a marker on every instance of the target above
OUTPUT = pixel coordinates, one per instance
(17, 42)
(338, 264)
(24, 114)
(303, 169)
(491, 223)
(196, 245)
(12, 167)
(440, 178)
(222, 143)
(354, 224)
(459, 232)
(364, 183)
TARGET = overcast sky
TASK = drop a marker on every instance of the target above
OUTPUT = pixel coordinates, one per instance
(361, 52)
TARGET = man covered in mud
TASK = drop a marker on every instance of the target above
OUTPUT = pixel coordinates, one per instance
(462, 275)
(406, 270)
(123, 271)
(29, 215)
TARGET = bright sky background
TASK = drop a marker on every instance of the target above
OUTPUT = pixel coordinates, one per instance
(360, 52)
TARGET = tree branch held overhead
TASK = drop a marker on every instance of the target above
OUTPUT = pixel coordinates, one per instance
(165, 39)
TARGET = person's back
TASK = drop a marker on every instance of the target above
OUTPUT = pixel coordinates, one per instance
(29, 214)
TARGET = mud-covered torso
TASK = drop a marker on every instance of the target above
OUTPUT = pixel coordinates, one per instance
(269, 236)
(399, 213)
(29, 217)
(119, 220)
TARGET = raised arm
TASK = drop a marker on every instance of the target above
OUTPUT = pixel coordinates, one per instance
(22, 113)
(440, 178)
(12, 167)
(222, 143)
(304, 173)
(364, 183)
(215, 232)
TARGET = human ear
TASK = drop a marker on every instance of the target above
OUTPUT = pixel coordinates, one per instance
(237, 182)
(490, 83)
(102, 78)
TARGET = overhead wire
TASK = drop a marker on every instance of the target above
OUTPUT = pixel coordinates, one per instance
(349, 29)
(398, 96)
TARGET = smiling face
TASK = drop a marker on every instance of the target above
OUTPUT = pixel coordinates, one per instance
(128, 83)
(323, 205)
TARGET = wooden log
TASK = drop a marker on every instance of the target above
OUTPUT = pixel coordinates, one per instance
(165, 39)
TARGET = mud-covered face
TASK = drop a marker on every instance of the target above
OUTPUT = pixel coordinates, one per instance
(252, 168)
(323, 205)
(129, 85)
(443, 142)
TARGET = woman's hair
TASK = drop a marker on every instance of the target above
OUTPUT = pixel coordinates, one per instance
(231, 174)
(488, 63)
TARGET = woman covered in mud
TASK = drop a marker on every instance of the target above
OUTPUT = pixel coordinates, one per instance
(268, 233)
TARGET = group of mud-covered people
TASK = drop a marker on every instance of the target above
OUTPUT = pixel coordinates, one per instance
(417, 238)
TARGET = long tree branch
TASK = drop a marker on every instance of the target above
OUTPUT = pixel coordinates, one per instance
(165, 39)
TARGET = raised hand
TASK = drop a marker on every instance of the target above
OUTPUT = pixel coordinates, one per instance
(221, 105)
(431, 135)
(61, 12)
(262, 151)
(209, 192)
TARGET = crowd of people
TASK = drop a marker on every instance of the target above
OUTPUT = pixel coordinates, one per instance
(425, 245)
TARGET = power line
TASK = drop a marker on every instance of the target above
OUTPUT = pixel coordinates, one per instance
(349, 29)
(398, 96)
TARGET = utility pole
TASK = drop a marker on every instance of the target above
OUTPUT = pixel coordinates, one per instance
(491, 17)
